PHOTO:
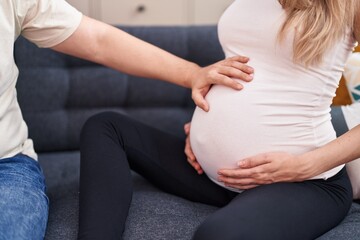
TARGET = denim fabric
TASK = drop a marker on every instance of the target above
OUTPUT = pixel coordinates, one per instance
(23, 202)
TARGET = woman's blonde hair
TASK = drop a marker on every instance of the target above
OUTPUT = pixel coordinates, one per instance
(318, 25)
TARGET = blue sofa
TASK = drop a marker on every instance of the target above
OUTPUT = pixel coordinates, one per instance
(57, 93)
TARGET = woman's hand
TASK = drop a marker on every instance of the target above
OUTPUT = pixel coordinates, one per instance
(188, 151)
(265, 169)
(284, 167)
(222, 73)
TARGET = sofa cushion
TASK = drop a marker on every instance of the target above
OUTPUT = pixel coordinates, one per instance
(153, 214)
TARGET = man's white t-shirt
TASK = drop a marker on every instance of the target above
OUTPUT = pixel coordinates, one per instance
(45, 23)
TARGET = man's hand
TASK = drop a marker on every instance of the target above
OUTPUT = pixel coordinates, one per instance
(188, 151)
(265, 169)
(223, 73)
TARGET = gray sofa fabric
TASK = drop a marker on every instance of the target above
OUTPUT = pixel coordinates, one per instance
(58, 93)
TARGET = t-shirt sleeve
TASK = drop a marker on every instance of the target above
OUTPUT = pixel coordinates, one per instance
(50, 22)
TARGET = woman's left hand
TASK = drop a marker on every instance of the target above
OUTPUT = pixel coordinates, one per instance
(265, 169)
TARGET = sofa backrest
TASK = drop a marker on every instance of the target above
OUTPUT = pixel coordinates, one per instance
(57, 93)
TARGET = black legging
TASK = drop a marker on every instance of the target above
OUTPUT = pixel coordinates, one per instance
(112, 144)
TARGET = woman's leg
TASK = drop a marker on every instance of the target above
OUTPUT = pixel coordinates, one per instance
(111, 144)
(302, 211)
(23, 203)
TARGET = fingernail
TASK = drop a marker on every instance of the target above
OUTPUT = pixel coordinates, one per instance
(239, 86)
(240, 163)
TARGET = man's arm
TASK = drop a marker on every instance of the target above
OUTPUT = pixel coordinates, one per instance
(107, 45)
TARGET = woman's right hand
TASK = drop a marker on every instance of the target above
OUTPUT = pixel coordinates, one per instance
(188, 151)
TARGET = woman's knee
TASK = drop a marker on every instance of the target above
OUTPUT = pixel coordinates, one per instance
(101, 120)
(106, 122)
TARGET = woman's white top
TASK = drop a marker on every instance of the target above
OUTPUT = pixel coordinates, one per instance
(285, 108)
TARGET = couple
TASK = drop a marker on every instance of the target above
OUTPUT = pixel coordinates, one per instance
(298, 190)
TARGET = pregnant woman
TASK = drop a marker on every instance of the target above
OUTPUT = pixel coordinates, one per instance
(286, 107)
(298, 49)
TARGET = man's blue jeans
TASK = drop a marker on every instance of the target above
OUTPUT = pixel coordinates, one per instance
(23, 202)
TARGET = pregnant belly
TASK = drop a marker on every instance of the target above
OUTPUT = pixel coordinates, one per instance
(245, 123)
(227, 133)
(252, 121)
